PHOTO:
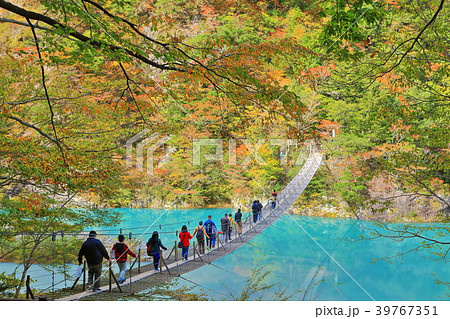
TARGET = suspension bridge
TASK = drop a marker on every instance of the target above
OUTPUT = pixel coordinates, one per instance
(142, 278)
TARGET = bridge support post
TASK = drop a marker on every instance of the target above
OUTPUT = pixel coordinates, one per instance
(196, 251)
(84, 275)
(221, 243)
(112, 276)
(29, 291)
(165, 265)
(84, 278)
(176, 251)
(252, 227)
(173, 249)
(139, 261)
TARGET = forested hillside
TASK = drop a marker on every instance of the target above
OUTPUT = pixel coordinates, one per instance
(366, 80)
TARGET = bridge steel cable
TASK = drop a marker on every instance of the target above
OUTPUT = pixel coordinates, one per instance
(249, 231)
(333, 259)
(111, 231)
(94, 21)
(284, 277)
(115, 260)
(326, 274)
(320, 264)
(63, 233)
(311, 164)
(294, 189)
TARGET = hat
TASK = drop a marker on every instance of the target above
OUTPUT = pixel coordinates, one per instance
(92, 233)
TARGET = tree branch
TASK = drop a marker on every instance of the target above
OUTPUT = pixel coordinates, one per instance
(37, 129)
(130, 24)
(131, 92)
(52, 114)
(415, 41)
(23, 24)
(31, 15)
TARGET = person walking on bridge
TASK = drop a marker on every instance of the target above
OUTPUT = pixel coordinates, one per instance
(255, 211)
(94, 252)
(121, 252)
(238, 220)
(260, 207)
(230, 217)
(274, 199)
(225, 227)
(200, 234)
(210, 229)
(185, 236)
(154, 246)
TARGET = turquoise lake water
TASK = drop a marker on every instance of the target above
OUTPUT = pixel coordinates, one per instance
(296, 262)
(308, 258)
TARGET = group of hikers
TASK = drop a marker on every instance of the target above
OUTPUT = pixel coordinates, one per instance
(94, 251)
(257, 207)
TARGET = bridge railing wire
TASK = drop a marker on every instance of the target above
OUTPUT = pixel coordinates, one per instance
(116, 231)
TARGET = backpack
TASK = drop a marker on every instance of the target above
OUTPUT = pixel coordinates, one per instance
(200, 234)
(149, 249)
(208, 227)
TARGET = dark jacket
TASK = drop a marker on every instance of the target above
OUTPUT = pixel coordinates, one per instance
(224, 224)
(93, 250)
(260, 206)
(238, 217)
(155, 248)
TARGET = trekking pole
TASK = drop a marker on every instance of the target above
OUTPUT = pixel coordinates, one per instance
(110, 276)
(176, 255)
(194, 249)
(176, 251)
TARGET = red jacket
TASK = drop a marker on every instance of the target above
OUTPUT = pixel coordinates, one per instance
(184, 238)
(122, 251)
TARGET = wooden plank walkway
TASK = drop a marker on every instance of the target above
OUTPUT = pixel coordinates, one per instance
(149, 277)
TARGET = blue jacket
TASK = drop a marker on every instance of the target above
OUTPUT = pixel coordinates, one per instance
(209, 226)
